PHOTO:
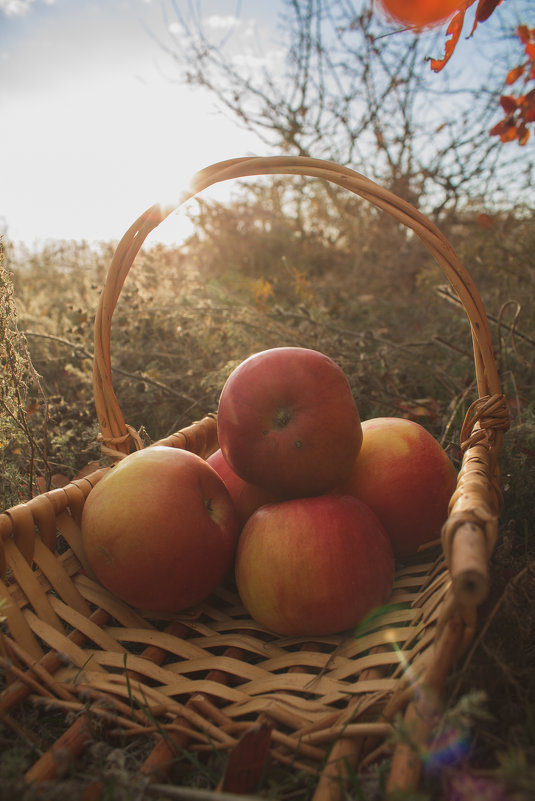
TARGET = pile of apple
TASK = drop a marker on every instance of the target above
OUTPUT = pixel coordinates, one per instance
(308, 505)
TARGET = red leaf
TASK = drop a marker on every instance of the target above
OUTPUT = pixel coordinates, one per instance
(485, 9)
(89, 468)
(248, 760)
(510, 135)
(418, 409)
(454, 31)
(418, 14)
(57, 480)
(508, 103)
(514, 74)
(530, 51)
(523, 33)
(486, 221)
(523, 135)
(503, 127)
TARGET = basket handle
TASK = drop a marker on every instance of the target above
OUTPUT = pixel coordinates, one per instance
(473, 511)
(111, 422)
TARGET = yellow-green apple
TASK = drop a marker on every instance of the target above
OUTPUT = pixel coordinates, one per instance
(287, 421)
(406, 477)
(247, 497)
(313, 566)
(160, 529)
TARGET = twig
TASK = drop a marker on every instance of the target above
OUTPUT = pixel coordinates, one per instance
(512, 329)
(86, 354)
(194, 794)
(459, 402)
(447, 293)
(19, 417)
(28, 736)
(499, 603)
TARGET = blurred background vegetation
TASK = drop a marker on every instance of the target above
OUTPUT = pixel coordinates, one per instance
(365, 291)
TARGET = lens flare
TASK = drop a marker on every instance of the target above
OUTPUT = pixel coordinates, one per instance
(451, 741)
(449, 746)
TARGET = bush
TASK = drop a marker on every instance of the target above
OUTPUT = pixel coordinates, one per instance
(252, 277)
(367, 294)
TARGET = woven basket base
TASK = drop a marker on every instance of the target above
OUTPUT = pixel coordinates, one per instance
(203, 678)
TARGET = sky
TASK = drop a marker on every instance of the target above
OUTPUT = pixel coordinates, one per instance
(95, 126)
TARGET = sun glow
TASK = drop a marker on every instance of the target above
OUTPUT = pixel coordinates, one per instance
(101, 130)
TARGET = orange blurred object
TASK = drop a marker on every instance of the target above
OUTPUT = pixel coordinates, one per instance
(421, 13)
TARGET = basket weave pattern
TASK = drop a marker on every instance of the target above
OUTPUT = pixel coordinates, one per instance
(201, 679)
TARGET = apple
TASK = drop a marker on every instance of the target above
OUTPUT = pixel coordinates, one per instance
(406, 477)
(247, 498)
(313, 566)
(160, 529)
(287, 421)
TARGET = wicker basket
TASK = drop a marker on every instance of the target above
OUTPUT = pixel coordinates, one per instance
(203, 679)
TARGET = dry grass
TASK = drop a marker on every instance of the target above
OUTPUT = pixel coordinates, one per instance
(183, 321)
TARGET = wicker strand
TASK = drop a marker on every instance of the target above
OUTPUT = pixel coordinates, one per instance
(422, 714)
(107, 443)
(200, 438)
(484, 418)
(470, 532)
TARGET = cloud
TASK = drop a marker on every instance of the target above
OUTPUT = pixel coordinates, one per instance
(218, 23)
(177, 30)
(15, 8)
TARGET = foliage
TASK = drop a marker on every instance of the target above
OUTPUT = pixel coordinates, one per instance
(520, 111)
(346, 84)
(276, 267)
(23, 451)
(420, 13)
(483, 11)
(251, 277)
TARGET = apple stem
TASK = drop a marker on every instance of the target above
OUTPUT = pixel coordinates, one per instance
(282, 417)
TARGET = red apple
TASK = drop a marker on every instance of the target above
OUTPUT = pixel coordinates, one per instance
(160, 529)
(406, 477)
(247, 497)
(313, 566)
(288, 422)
